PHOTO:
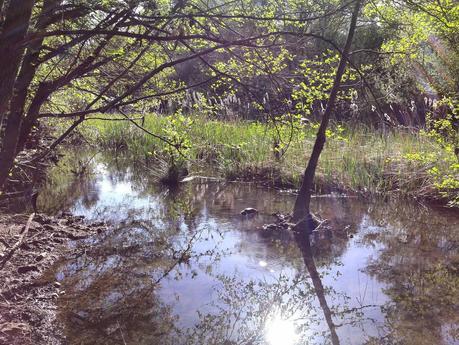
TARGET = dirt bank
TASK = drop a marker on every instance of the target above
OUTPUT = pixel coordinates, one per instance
(29, 244)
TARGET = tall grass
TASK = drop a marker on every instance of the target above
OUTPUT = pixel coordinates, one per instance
(355, 159)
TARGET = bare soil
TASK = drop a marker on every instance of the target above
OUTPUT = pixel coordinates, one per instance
(28, 296)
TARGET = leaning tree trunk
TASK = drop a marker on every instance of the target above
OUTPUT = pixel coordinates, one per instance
(26, 75)
(301, 213)
(14, 29)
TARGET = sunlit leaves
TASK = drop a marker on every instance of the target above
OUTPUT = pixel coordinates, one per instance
(317, 80)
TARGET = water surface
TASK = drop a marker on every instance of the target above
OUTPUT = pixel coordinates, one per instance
(184, 267)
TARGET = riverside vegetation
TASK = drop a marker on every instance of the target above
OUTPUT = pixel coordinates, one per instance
(324, 96)
(402, 162)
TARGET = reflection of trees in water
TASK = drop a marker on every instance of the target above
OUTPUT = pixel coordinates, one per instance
(419, 263)
(112, 294)
(64, 185)
(283, 311)
(111, 287)
(111, 290)
(243, 310)
(75, 178)
(305, 247)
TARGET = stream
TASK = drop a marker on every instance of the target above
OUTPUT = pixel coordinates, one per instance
(183, 266)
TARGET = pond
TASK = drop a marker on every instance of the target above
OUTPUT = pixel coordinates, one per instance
(183, 266)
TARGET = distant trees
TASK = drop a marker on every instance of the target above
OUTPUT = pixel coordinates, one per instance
(422, 47)
(424, 34)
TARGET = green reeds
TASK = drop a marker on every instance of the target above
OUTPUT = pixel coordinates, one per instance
(355, 159)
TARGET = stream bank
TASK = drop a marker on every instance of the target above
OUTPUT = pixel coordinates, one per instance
(29, 245)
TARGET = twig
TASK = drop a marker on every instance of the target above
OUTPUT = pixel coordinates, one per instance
(114, 119)
(18, 243)
(319, 226)
(121, 331)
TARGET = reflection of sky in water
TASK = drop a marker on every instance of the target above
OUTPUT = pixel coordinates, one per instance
(280, 331)
(116, 201)
(194, 286)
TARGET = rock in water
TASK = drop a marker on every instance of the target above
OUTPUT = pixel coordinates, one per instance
(249, 211)
(271, 227)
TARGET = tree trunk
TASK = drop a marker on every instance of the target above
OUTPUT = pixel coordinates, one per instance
(1, 15)
(301, 212)
(15, 27)
(27, 72)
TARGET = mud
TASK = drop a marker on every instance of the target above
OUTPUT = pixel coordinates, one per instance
(27, 296)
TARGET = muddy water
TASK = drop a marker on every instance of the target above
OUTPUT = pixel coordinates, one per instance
(184, 267)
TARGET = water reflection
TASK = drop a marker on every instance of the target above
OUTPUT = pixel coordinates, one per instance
(305, 246)
(182, 267)
(280, 332)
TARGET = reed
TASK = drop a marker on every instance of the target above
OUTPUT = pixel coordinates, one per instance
(357, 159)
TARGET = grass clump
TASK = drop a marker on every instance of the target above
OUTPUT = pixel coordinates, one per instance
(357, 159)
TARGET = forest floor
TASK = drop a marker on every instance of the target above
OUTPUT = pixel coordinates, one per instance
(29, 247)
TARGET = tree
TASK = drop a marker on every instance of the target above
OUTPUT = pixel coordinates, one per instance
(71, 59)
(13, 30)
(100, 53)
(423, 34)
(301, 212)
